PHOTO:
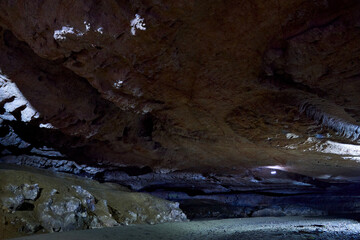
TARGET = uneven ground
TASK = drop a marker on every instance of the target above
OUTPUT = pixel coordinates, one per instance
(294, 228)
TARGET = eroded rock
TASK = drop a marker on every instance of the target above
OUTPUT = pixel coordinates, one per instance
(16, 197)
(69, 203)
(103, 216)
(59, 213)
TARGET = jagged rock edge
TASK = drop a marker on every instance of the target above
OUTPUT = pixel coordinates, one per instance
(343, 127)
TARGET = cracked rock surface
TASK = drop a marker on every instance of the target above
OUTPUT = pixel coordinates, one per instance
(36, 201)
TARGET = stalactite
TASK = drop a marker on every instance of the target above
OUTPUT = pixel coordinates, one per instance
(343, 126)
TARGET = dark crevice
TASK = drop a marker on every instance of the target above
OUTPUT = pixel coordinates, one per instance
(6, 100)
(131, 171)
(198, 191)
(146, 125)
(26, 206)
(285, 81)
(191, 191)
(17, 112)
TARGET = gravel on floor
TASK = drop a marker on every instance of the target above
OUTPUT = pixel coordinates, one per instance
(238, 228)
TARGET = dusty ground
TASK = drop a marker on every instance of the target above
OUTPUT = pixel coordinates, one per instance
(245, 228)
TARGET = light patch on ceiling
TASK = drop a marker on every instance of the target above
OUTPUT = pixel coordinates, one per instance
(339, 148)
(347, 151)
(276, 167)
(15, 100)
(100, 30)
(46, 125)
(137, 23)
(118, 84)
(146, 109)
(60, 34)
(87, 26)
(353, 158)
(325, 176)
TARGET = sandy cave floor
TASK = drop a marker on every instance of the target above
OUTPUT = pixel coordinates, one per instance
(241, 228)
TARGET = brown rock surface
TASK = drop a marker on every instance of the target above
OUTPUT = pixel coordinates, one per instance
(220, 86)
(58, 202)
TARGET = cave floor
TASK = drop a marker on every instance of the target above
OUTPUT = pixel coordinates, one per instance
(237, 228)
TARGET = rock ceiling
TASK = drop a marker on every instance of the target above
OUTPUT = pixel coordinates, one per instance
(201, 86)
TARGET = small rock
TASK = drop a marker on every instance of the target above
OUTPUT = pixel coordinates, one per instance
(15, 196)
(30, 225)
(30, 192)
(61, 213)
(291, 135)
(103, 216)
(53, 192)
(88, 199)
(11, 203)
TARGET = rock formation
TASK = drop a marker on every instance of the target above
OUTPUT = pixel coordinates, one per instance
(204, 97)
(34, 201)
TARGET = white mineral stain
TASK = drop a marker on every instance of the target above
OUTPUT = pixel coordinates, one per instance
(137, 23)
(11, 93)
